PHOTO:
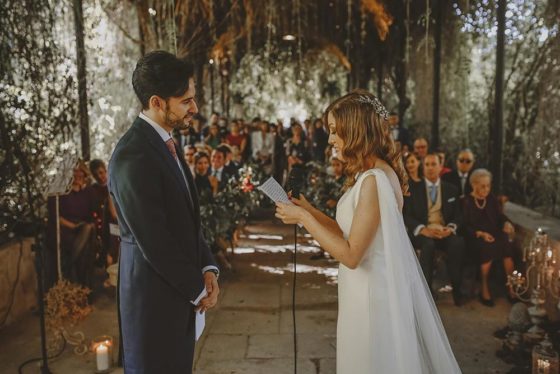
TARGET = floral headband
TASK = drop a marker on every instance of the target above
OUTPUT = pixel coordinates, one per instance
(377, 106)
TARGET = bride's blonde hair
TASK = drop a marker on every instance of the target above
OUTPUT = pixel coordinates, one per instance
(361, 122)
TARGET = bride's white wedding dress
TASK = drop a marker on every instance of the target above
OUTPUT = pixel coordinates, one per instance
(387, 321)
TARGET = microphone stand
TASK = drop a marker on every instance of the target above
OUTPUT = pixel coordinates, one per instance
(39, 265)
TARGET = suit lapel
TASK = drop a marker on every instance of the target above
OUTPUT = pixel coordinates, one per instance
(158, 144)
(190, 181)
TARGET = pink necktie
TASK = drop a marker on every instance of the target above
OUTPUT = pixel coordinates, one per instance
(171, 146)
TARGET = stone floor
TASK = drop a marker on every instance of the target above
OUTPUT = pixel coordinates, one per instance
(251, 329)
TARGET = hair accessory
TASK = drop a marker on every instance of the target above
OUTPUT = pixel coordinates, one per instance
(377, 106)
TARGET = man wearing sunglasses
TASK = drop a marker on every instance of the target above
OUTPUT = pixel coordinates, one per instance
(460, 176)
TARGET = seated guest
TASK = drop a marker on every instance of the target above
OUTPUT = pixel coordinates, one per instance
(320, 141)
(487, 230)
(421, 148)
(236, 138)
(262, 143)
(213, 139)
(205, 183)
(231, 166)
(77, 230)
(412, 166)
(444, 169)
(190, 150)
(460, 177)
(218, 169)
(432, 215)
(296, 147)
(399, 134)
(190, 135)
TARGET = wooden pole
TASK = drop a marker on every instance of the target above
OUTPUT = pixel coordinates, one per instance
(82, 81)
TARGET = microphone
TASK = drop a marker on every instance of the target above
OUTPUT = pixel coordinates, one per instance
(296, 180)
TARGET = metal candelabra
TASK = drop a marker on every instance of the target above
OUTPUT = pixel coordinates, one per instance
(541, 278)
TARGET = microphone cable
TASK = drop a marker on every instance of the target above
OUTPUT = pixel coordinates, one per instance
(294, 298)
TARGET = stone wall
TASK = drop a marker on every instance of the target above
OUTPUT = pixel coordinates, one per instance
(18, 281)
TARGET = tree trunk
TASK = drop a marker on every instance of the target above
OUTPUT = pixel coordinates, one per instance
(439, 5)
(496, 138)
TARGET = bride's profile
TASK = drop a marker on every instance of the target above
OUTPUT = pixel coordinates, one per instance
(387, 320)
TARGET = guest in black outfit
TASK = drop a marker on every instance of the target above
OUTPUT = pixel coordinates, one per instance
(320, 141)
(412, 166)
(487, 230)
(296, 149)
(460, 177)
(432, 214)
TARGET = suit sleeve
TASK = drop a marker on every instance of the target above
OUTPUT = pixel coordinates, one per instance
(468, 225)
(408, 213)
(135, 186)
(457, 216)
(207, 259)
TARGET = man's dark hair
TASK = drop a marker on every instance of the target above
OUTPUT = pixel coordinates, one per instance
(199, 155)
(223, 150)
(96, 164)
(433, 154)
(162, 74)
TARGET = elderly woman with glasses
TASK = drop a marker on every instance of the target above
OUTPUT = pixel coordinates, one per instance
(488, 231)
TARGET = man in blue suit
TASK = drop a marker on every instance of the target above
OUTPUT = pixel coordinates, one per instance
(165, 262)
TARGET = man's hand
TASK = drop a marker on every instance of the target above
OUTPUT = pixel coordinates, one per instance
(211, 284)
(445, 232)
(429, 233)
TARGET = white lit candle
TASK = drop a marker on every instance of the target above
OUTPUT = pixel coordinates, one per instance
(543, 366)
(102, 355)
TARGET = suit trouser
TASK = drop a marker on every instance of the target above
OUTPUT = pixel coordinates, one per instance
(454, 246)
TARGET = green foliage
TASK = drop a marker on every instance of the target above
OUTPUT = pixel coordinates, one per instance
(37, 107)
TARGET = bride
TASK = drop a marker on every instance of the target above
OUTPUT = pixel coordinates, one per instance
(387, 320)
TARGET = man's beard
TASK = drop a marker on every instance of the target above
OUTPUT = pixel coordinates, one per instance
(174, 122)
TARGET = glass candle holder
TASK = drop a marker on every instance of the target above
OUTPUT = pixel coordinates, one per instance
(545, 358)
(102, 348)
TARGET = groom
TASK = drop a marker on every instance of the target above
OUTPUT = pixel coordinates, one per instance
(165, 262)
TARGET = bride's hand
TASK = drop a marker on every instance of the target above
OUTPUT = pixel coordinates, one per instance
(302, 202)
(289, 214)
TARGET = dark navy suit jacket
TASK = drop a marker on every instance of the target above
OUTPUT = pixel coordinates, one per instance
(162, 255)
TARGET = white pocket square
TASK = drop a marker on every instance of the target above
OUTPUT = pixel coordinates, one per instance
(451, 200)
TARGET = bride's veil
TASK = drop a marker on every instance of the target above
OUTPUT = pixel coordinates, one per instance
(416, 327)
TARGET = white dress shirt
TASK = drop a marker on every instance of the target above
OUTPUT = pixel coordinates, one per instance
(464, 178)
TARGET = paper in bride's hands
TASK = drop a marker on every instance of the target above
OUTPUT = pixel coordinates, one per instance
(274, 191)
(200, 318)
